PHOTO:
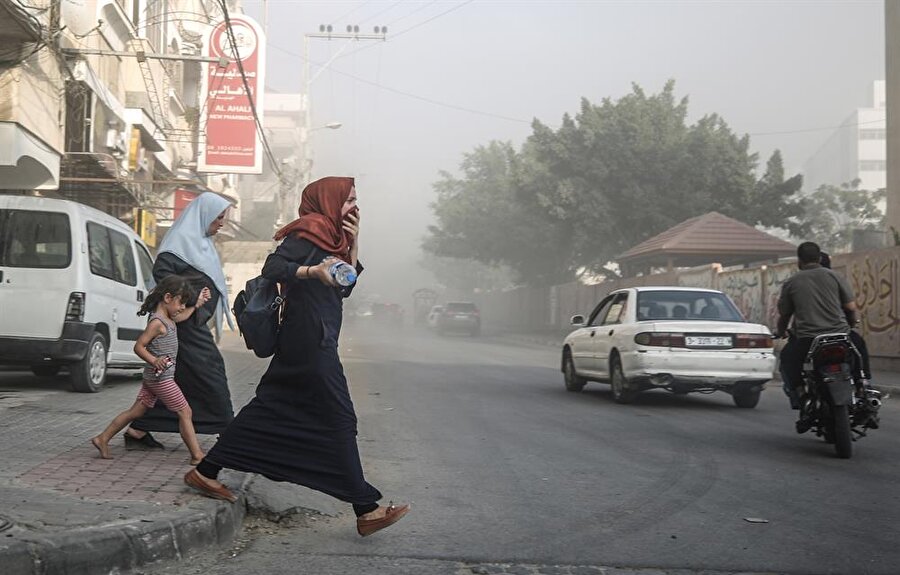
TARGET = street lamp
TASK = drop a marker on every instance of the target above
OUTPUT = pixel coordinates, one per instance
(329, 125)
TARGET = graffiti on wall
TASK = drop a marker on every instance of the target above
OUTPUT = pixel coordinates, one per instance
(874, 279)
(704, 277)
(775, 276)
(745, 288)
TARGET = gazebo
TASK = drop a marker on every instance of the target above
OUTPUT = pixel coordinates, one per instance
(706, 239)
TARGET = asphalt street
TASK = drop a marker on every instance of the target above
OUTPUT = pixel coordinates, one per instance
(509, 473)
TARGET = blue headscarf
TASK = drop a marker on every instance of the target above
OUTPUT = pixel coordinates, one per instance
(189, 240)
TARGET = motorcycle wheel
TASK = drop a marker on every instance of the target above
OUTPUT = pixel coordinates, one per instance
(843, 441)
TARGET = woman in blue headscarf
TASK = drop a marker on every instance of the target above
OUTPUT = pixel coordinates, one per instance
(188, 250)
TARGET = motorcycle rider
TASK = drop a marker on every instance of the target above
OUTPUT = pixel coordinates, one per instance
(819, 301)
(864, 371)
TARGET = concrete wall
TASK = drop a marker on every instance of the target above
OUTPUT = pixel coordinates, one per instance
(873, 275)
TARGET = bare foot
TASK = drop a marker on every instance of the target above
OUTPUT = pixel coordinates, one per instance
(102, 447)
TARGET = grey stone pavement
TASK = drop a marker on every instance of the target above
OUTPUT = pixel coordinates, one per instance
(63, 510)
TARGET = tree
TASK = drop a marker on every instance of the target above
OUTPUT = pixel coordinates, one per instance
(479, 218)
(834, 212)
(607, 179)
(777, 201)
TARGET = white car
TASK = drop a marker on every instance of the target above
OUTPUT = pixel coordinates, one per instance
(673, 338)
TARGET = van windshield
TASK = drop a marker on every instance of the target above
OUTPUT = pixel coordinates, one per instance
(32, 239)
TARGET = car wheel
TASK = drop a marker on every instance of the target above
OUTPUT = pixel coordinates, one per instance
(620, 388)
(45, 370)
(89, 374)
(746, 398)
(573, 381)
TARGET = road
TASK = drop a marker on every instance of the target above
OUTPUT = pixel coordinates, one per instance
(509, 473)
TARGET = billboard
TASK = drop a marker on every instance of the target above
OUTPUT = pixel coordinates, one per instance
(229, 140)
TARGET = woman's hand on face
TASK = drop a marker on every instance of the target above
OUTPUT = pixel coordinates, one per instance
(351, 225)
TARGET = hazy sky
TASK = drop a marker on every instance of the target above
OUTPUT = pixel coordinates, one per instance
(764, 66)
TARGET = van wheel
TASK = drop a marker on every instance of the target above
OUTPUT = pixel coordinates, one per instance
(45, 370)
(89, 374)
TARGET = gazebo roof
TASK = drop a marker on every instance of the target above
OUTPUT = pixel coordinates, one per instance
(710, 238)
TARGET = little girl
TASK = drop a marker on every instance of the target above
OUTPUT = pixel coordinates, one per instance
(158, 346)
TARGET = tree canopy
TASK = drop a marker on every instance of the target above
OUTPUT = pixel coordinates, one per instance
(618, 172)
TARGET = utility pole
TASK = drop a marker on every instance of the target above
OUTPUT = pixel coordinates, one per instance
(892, 106)
(325, 33)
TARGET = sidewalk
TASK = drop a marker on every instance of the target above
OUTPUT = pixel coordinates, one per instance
(65, 510)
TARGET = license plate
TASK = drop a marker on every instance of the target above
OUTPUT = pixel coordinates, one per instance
(708, 341)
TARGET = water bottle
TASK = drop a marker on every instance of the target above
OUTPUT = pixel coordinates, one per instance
(343, 273)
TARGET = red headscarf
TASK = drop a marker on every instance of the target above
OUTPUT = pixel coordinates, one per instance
(320, 218)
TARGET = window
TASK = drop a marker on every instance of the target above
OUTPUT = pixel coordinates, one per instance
(146, 263)
(600, 312)
(461, 307)
(686, 305)
(110, 254)
(616, 311)
(30, 239)
(100, 253)
(873, 134)
(872, 165)
(123, 259)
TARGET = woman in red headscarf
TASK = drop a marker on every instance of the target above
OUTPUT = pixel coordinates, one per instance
(301, 426)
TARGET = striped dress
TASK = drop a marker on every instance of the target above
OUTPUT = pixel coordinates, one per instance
(162, 346)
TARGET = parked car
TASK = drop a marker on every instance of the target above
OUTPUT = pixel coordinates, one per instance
(433, 315)
(459, 316)
(72, 280)
(673, 338)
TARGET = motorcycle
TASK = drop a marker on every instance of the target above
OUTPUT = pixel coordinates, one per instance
(838, 402)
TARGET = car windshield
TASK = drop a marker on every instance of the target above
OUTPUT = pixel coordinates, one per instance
(461, 307)
(685, 305)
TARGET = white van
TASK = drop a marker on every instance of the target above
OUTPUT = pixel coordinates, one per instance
(72, 280)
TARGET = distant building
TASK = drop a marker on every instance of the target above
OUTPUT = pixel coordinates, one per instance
(855, 150)
(268, 203)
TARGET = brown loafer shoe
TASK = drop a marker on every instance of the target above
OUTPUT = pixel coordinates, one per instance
(192, 479)
(392, 515)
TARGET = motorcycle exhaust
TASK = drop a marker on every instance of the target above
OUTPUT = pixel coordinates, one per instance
(874, 402)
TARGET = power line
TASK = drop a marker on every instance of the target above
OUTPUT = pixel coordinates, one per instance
(411, 28)
(351, 11)
(416, 11)
(408, 94)
(240, 65)
(806, 130)
(379, 13)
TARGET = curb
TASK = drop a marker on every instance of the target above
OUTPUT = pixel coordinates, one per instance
(123, 546)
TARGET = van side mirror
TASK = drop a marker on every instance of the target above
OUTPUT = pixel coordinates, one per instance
(578, 320)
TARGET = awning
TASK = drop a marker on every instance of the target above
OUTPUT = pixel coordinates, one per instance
(84, 73)
(26, 162)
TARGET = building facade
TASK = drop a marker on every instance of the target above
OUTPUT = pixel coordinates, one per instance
(100, 103)
(856, 150)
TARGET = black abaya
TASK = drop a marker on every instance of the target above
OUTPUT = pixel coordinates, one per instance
(301, 426)
(200, 369)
